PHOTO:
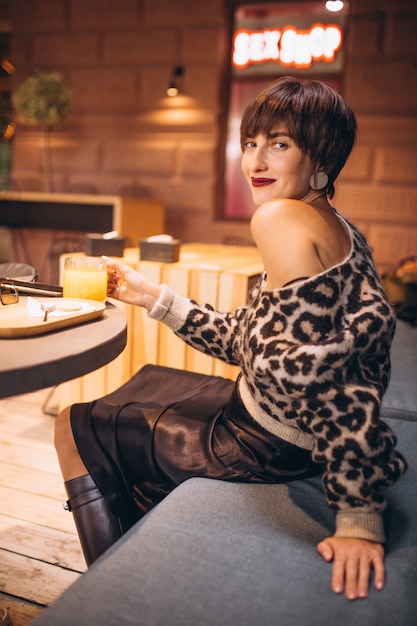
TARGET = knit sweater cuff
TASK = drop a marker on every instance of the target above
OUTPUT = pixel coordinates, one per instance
(170, 308)
(360, 524)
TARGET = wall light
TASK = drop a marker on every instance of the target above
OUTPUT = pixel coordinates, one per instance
(173, 85)
(334, 5)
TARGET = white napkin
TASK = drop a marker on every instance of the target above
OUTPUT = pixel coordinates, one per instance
(160, 238)
(63, 308)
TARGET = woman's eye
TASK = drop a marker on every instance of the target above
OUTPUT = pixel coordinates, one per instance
(249, 144)
(279, 145)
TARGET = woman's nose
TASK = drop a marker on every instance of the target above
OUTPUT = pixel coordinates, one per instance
(258, 161)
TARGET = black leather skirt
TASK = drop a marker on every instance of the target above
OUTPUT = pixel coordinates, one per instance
(165, 426)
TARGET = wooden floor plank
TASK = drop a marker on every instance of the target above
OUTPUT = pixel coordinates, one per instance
(21, 613)
(34, 580)
(30, 507)
(38, 542)
(30, 433)
(34, 481)
(40, 555)
(34, 430)
(38, 458)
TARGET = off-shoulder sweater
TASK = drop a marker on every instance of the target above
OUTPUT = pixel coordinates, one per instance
(314, 361)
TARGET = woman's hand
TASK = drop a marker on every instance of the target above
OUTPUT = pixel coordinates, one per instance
(126, 284)
(353, 561)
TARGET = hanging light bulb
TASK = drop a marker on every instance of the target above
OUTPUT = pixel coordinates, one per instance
(334, 5)
(173, 89)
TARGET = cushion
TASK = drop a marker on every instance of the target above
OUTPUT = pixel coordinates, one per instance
(400, 400)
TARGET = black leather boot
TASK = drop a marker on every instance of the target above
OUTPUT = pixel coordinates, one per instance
(97, 526)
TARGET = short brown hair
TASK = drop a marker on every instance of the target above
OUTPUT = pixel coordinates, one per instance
(317, 117)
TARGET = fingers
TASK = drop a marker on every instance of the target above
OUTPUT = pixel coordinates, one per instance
(115, 272)
(357, 571)
(338, 575)
(114, 280)
(325, 550)
(353, 562)
(379, 573)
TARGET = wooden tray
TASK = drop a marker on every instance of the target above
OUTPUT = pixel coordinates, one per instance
(16, 322)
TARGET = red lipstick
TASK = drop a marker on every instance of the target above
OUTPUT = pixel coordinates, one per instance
(261, 182)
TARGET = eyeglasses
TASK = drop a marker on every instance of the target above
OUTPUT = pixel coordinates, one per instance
(8, 294)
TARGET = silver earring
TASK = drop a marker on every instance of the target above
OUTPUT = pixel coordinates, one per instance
(319, 180)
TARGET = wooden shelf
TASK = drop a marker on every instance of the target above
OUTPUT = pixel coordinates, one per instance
(135, 217)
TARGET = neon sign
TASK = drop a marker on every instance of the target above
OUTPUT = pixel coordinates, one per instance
(289, 46)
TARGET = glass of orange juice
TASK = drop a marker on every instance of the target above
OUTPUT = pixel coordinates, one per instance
(85, 277)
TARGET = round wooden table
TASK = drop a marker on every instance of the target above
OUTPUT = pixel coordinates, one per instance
(31, 363)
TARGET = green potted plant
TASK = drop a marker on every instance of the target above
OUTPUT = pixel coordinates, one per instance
(43, 98)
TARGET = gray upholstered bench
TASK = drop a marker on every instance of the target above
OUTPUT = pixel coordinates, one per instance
(222, 554)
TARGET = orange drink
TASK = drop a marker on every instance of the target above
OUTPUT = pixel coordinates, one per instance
(85, 277)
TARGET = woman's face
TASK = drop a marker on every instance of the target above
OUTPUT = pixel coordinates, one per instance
(275, 167)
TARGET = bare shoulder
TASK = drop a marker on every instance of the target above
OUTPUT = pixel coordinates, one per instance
(286, 219)
(295, 239)
(280, 211)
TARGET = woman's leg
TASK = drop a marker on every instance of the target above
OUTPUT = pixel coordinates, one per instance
(69, 459)
(97, 526)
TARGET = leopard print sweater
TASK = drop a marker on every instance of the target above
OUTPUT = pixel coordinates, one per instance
(314, 360)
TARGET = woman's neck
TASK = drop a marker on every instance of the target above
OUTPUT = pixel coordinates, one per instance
(317, 198)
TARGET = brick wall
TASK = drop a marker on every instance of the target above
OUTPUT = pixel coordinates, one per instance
(378, 187)
(125, 136)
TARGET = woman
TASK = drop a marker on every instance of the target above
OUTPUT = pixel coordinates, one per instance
(312, 345)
